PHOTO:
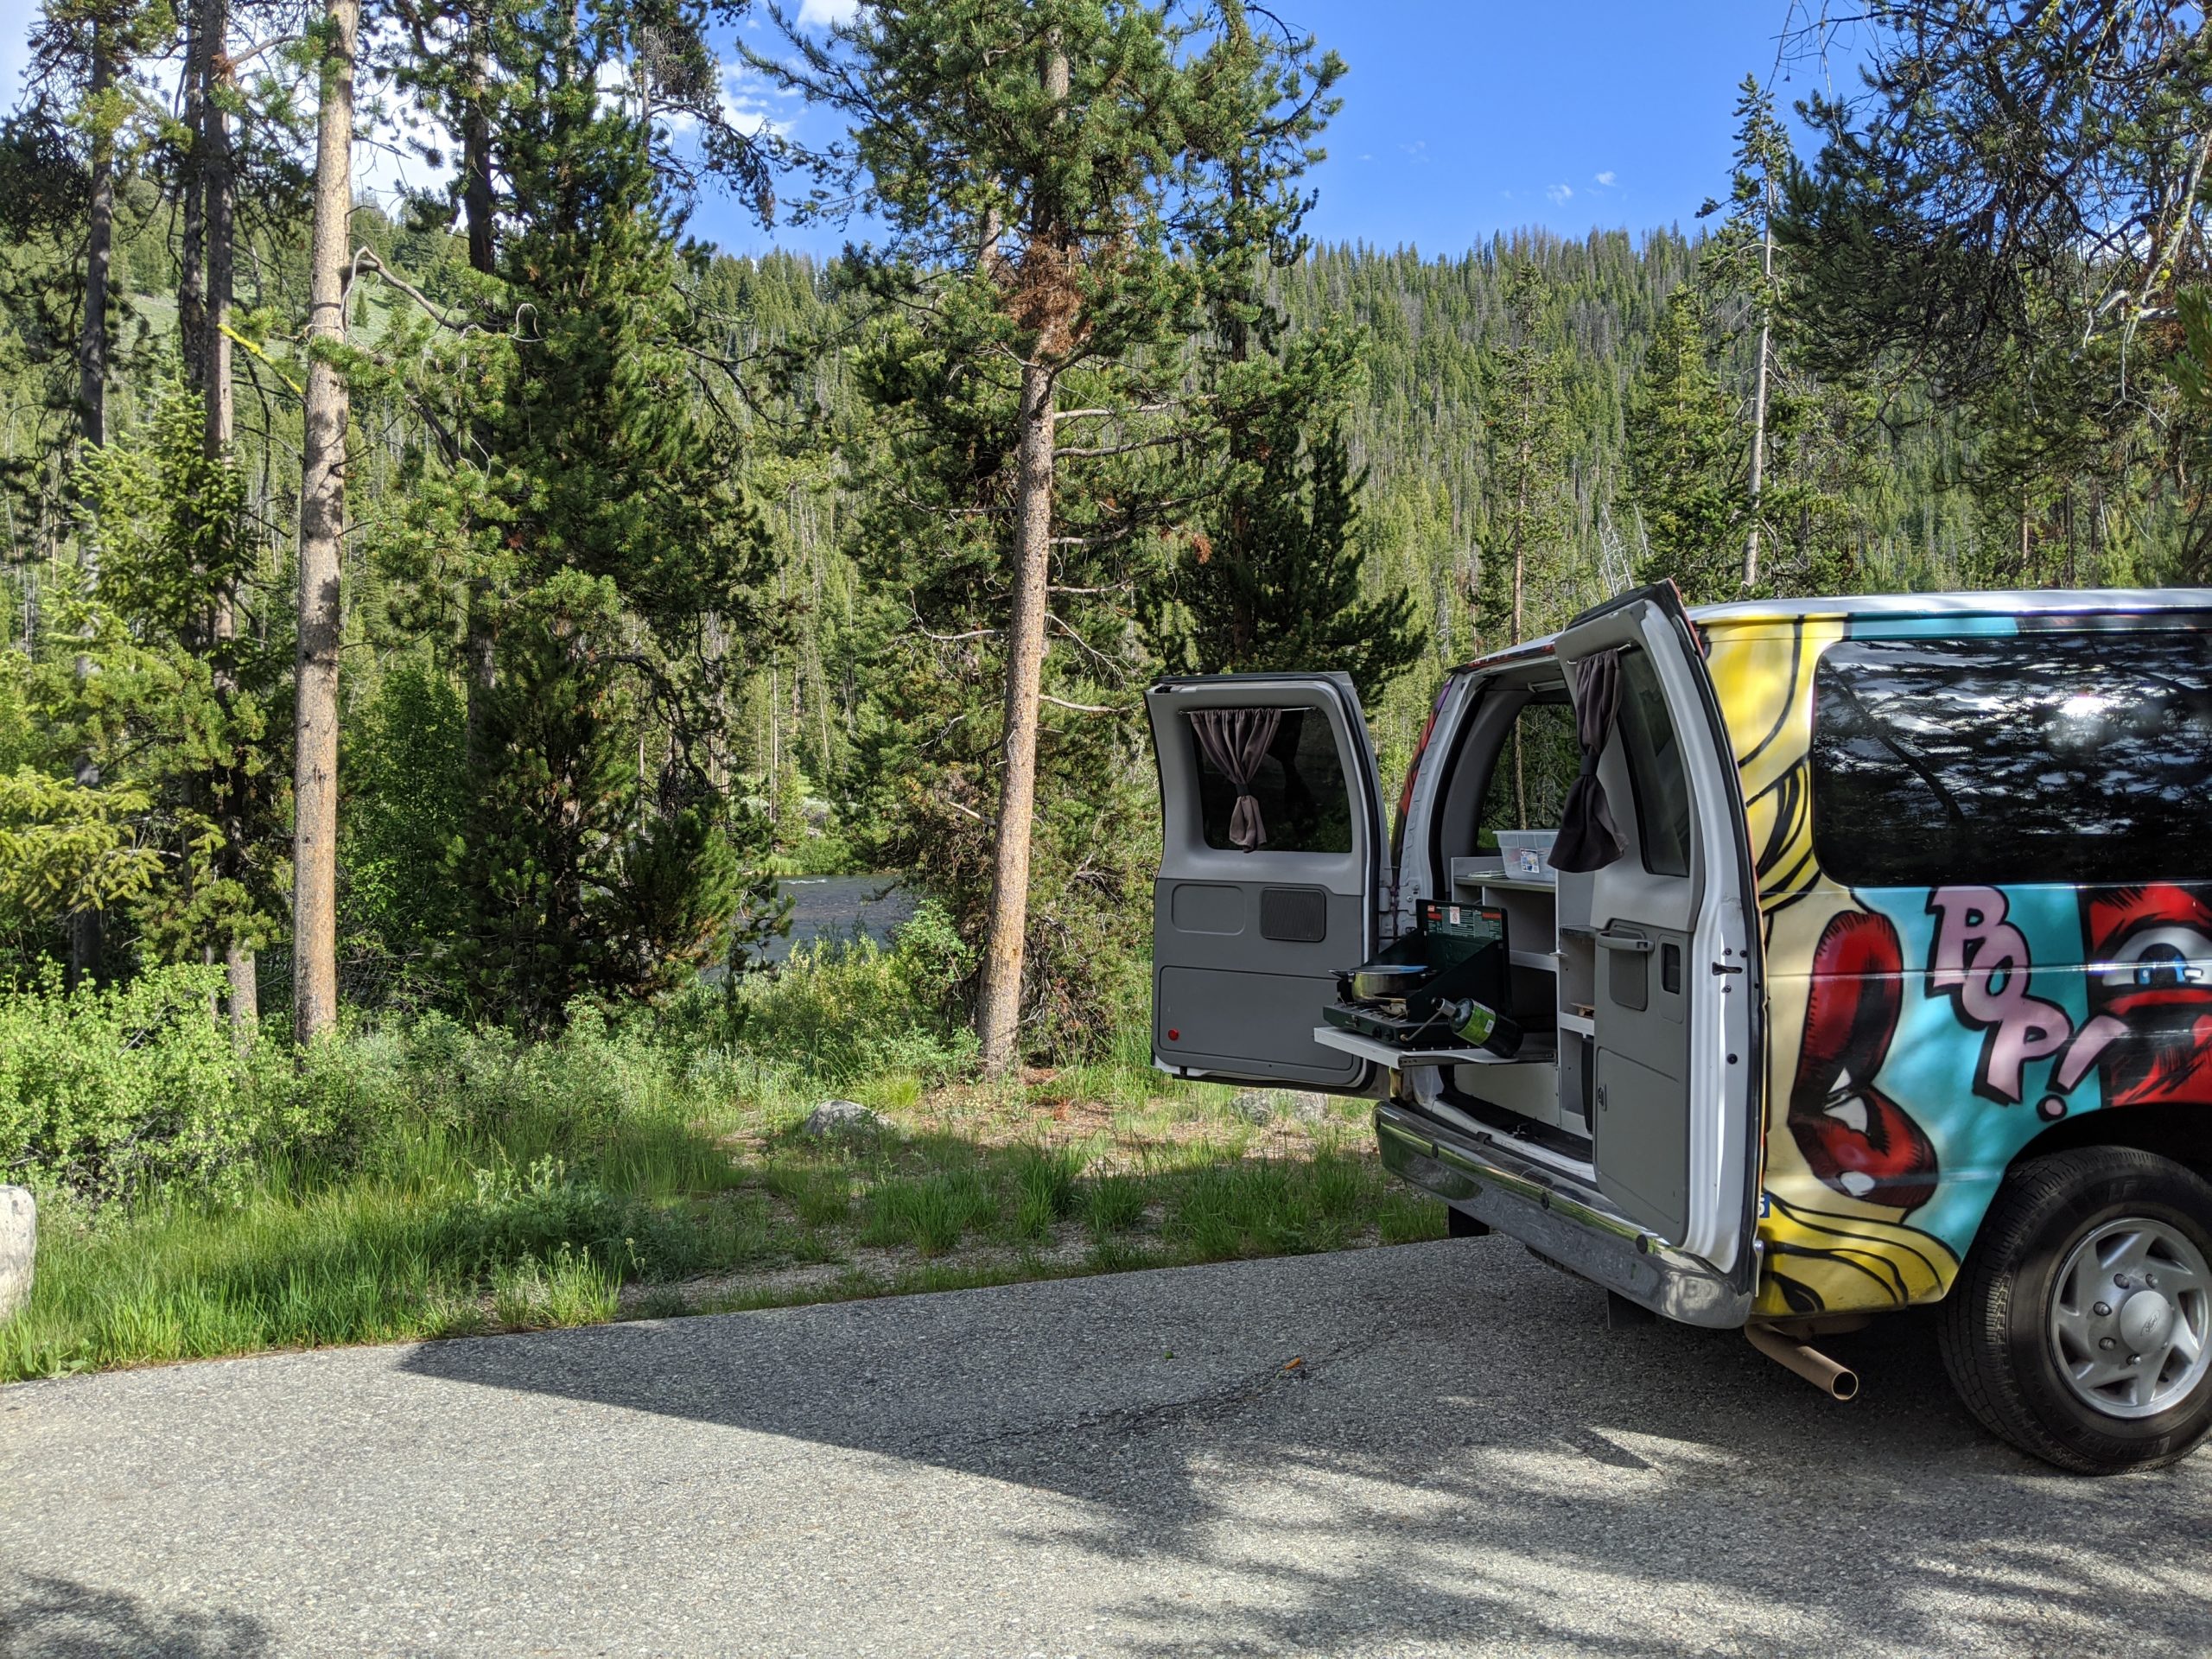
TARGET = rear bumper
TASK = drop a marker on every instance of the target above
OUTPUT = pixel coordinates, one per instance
(1557, 1216)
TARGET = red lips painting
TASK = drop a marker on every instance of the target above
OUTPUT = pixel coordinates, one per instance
(1856, 1140)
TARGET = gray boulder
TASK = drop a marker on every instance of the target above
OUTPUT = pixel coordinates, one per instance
(1265, 1105)
(1253, 1105)
(18, 1246)
(841, 1117)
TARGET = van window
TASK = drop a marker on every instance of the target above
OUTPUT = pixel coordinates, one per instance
(1535, 767)
(2063, 756)
(1655, 772)
(1304, 803)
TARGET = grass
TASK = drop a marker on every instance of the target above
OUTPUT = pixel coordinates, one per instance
(465, 1184)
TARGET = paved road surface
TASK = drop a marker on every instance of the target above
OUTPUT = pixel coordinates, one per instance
(1465, 1461)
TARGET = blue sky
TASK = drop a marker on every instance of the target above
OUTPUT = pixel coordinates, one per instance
(1464, 118)
(1459, 119)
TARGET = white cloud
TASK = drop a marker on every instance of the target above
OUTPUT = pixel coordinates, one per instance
(824, 14)
(1560, 194)
(1605, 180)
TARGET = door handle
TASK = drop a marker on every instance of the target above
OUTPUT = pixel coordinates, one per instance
(1624, 942)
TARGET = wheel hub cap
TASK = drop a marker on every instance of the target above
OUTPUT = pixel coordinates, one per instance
(2131, 1317)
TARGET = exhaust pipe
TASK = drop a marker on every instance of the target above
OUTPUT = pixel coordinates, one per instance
(1837, 1382)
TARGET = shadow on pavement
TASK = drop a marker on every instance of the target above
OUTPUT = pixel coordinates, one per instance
(43, 1617)
(1462, 1451)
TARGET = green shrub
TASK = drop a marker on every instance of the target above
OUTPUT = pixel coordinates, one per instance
(114, 1092)
(841, 1011)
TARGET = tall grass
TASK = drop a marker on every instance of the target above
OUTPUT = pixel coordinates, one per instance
(423, 1179)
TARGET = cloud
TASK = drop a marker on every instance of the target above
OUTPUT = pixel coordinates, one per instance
(1605, 180)
(825, 14)
(1560, 194)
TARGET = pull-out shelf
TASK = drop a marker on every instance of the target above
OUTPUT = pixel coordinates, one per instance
(1536, 1049)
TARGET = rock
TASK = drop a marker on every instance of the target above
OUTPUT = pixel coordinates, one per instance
(1263, 1106)
(841, 1117)
(18, 1246)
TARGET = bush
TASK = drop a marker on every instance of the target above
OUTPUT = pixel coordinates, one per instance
(843, 1011)
(115, 1091)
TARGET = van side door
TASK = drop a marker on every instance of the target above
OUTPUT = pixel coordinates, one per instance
(1678, 980)
(1273, 864)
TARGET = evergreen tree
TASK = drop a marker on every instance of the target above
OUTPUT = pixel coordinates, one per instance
(569, 445)
(1274, 577)
(1684, 460)
(579, 880)
(1052, 176)
(1528, 435)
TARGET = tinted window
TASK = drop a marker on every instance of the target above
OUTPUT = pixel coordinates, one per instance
(1654, 768)
(2036, 757)
(1305, 805)
(1535, 769)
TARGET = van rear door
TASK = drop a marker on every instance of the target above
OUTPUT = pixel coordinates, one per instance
(1677, 984)
(1273, 867)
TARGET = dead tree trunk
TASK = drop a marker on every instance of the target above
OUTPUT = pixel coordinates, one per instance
(322, 519)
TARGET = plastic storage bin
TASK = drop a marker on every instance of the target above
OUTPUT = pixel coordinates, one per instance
(1528, 854)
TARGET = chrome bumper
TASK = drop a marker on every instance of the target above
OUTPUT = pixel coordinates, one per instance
(1558, 1217)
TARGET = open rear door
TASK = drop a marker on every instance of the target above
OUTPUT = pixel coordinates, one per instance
(1677, 988)
(1273, 851)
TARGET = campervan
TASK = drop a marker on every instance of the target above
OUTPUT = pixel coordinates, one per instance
(1771, 966)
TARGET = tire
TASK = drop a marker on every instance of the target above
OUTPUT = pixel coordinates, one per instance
(2023, 1327)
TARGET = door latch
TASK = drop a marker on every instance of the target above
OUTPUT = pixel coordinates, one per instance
(1727, 968)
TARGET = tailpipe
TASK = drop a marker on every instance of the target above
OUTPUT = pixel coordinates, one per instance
(1837, 1382)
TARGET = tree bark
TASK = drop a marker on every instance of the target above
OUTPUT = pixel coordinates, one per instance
(86, 927)
(998, 1001)
(480, 645)
(217, 434)
(998, 1004)
(476, 148)
(322, 517)
(191, 245)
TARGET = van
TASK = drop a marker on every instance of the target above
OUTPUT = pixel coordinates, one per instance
(1857, 955)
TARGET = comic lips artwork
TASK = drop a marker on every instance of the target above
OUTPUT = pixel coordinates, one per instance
(2152, 951)
(1855, 1139)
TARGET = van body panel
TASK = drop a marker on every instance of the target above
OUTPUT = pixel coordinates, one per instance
(1923, 1035)
(1247, 940)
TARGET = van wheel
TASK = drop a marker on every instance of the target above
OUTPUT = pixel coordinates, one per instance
(2081, 1328)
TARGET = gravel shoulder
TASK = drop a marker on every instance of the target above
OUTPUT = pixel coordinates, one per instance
(1429, 1449)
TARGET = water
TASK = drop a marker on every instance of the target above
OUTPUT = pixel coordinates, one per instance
(842, 907)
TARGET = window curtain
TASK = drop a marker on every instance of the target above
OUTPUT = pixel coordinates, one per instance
(1236, 740)
(1588, 838)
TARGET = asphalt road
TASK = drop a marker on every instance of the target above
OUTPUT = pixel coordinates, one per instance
(1465, 1460)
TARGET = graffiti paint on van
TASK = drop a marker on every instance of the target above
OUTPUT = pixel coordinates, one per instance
(1919, 1037)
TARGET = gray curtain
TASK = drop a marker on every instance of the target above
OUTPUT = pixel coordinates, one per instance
(1588, 839)
(1236, 740)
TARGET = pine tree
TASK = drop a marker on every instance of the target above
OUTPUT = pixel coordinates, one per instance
(567, 446)
(1684, 458)
(1528, 431)
(1052, 176)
